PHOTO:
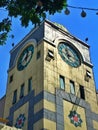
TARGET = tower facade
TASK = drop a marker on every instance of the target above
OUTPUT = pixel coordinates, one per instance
(50, 82)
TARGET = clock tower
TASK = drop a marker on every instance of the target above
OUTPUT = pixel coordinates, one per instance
(50, 82)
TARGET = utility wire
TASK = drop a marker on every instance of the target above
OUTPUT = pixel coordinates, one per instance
(75, 7)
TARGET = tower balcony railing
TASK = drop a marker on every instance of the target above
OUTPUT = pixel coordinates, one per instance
(3, 125)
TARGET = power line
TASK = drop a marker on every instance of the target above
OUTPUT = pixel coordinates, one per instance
(83, 13)
(85, 8)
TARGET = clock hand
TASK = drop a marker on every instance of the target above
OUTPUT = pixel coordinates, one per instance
(68, 53)
(27, 54)
(26, 57)
(70, 56)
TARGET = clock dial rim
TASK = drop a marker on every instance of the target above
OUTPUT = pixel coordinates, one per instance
(20, 65)
(76, 58)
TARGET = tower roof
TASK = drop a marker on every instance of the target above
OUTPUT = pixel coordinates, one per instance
(61, 26)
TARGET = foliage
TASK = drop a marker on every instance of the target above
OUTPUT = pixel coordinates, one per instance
(29, 11)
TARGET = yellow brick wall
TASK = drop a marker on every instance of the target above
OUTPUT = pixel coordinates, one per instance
(49, 106)
(34, 70)
(38, 125)
(38, 106)
(22, 110)
(49, 125)
(45, 76)
(56, 67)
(46, 104)
(95, 123)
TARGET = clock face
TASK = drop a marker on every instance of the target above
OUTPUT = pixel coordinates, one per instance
(25, 57)
(68, 54)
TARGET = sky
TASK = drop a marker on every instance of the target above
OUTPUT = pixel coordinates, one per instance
(79, 27)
